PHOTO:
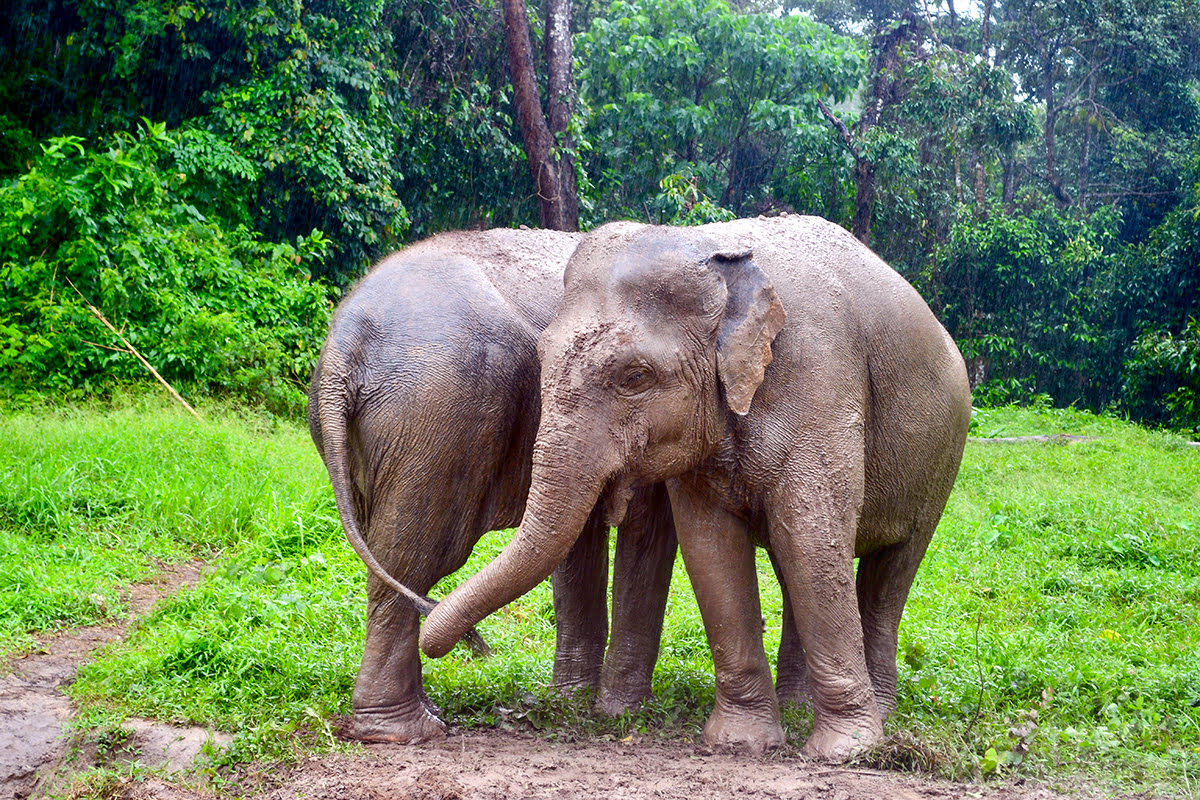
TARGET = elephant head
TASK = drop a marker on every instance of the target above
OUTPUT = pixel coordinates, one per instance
(662, 335)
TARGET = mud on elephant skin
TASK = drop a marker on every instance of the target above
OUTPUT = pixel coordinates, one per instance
(792, 390)
(424, 406)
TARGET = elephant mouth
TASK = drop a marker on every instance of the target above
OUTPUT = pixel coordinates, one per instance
(617, 495)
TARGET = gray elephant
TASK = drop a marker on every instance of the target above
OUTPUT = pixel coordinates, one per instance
(424, 406)
(792, 390)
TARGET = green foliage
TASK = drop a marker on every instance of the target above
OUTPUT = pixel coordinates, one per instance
(1034, 173)
(213, 309)
(681, 203)
(1018, 298)
(692, 88)
(303, 94)
(956, 113)
(1162, 378)
(312, 118)
(1116, 83)
(458, 148)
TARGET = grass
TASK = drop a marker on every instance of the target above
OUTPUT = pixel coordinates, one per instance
(1053, 626)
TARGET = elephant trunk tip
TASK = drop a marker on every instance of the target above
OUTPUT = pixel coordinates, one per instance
(439, 633)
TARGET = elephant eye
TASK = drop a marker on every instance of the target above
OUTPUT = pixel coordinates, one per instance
(636, 379)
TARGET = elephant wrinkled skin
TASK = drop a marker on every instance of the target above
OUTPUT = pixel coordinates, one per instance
(792, 390)
(424, 406)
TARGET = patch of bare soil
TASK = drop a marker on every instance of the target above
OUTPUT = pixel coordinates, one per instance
(496, 765)
(33, 708)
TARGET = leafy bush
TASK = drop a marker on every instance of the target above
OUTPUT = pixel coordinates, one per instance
(212, 308)
(305, 94)
(1162, 378)
(1017, 295)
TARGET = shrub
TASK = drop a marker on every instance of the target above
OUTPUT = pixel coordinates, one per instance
(1162, 378)
(214, 309)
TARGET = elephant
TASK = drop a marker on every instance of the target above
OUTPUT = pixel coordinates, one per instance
(793, 391)
(424, 407)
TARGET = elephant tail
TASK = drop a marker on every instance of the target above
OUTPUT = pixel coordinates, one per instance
(334, 397)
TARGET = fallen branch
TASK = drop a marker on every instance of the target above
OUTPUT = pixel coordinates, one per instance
(131, 349)
(1057, 438)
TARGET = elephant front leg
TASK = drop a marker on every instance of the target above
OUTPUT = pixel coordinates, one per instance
(719, 558)
(581, 608)
(389, 699)
(812, 536)
(641, 578)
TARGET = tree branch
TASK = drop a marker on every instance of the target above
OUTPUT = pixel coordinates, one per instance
(841, 128)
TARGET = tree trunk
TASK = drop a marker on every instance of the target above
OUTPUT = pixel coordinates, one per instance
(553, 173)
(985, 31)
(1008, 181)
(561, 84)
(1048, 139)
(864, 200)
(980, 174)
(1048, 125)
(1085, 153)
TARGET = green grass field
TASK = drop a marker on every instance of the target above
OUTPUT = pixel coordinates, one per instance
(1053, 627)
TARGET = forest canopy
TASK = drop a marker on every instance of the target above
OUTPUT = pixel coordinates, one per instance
(209, 176)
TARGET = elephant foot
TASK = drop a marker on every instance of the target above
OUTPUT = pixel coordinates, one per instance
(575, 675)
(743, 731)
(573, 686)
(410, 726)
(836, 743)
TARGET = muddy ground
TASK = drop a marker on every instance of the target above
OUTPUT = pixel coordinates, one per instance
(34, 711)
(500, 766)
(474, 765)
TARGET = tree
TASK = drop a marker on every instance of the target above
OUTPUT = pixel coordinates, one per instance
(884, 89)
(1116, 85)
(690, 93)
(297, 93)
(547, 145)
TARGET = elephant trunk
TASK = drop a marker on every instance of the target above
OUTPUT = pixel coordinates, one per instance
(563, 490)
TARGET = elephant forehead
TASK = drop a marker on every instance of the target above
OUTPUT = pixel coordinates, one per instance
(666, 286)
(581, 354)
(591, 345)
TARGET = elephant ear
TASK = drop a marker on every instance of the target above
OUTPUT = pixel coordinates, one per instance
(752, 319)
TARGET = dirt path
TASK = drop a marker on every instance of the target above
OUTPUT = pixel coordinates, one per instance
(33, 708)
(496, 765)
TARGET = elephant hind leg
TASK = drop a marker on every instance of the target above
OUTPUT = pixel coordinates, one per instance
(645, 556)
(418, 543)
(791, 671)
(389, 700)
(884, 579)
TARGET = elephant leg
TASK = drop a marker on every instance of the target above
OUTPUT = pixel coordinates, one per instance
(719, 557)
(581, 607)
(812, 531)
(884, 579)
(389, 699)
(644, 560)
(791, 673)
